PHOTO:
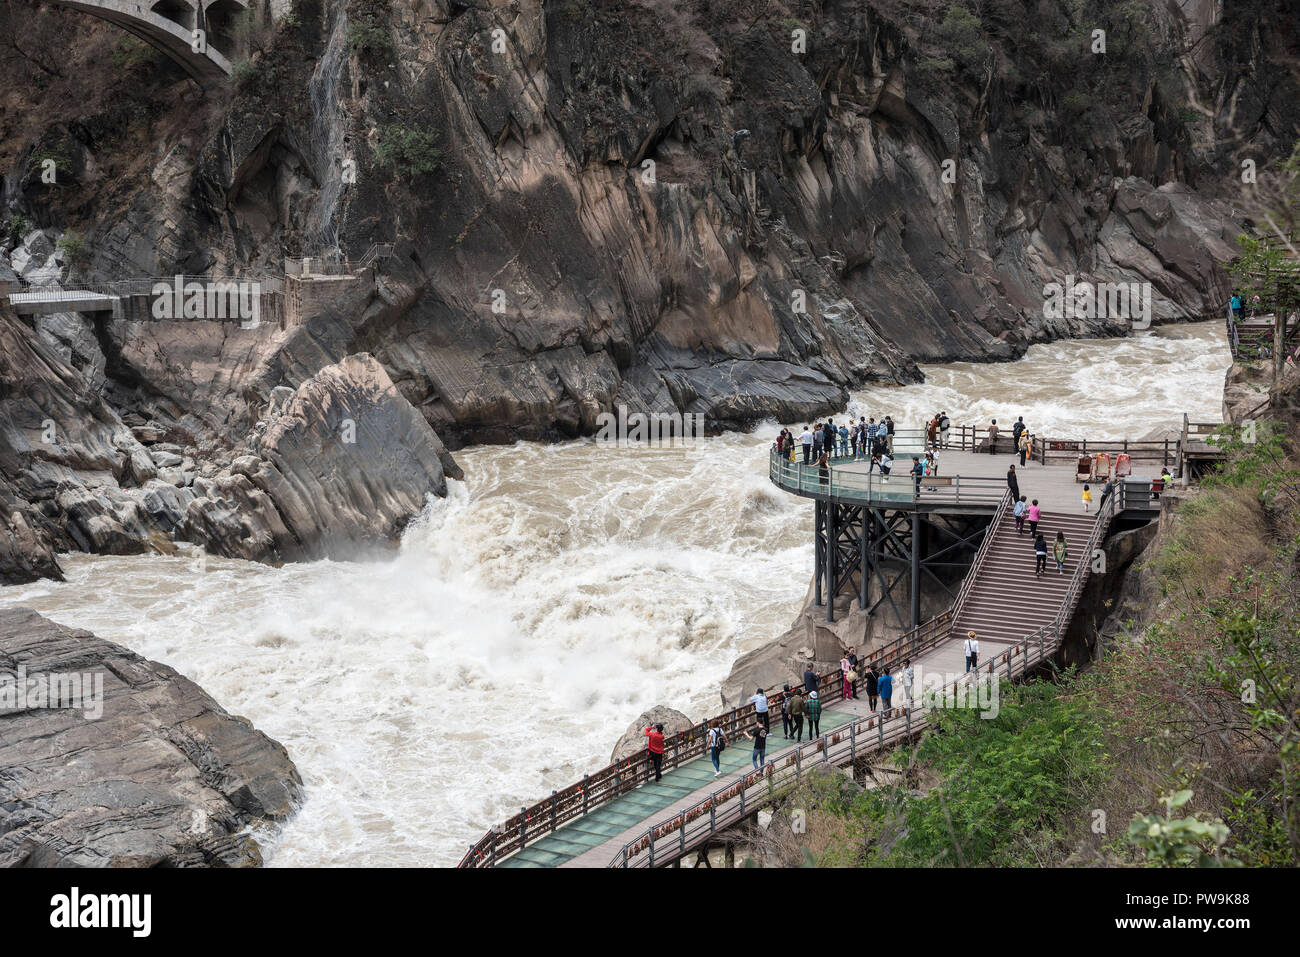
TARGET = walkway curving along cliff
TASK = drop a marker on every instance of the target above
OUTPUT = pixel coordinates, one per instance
(618, 817)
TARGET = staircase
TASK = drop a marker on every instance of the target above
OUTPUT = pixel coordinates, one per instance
(1005, 601)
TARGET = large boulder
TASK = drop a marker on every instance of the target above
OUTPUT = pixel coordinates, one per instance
(342, 464)
(144, 770)
(634, 739)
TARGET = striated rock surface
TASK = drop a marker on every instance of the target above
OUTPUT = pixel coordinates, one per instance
(163, 776)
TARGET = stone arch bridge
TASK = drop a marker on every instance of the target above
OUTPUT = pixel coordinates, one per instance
(171, 25)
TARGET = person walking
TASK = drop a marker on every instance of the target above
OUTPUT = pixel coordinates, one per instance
(717, 741)
(971, 648)
(797, 709)
(1060, 552)
(886, 687)
(907, 682)
(1013, 483)
(944, 425)
(1019, 513)
(1033, 513)
(1087, 497)
(806, 440)
(759, 701)
(758, 734)
(809, 680)
(845, 667)
(814, 709)
(786, 724)
(655, 745)
(993, 437)
(853, 672)
(1040, 555)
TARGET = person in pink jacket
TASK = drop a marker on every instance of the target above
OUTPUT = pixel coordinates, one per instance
(1033, 513)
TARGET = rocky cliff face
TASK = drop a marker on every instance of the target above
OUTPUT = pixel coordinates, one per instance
(676, 205)
(145, 770)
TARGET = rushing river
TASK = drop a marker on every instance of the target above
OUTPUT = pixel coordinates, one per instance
(548, 600)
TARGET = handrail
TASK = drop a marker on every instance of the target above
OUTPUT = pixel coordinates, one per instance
(985, 544)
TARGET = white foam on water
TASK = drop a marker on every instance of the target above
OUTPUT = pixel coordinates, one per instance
(546, 602)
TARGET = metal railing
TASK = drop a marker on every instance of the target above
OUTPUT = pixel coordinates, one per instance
(853, 486)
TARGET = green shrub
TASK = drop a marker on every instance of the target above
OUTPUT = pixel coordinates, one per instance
(408, 151)
(74, 249)
(369, 36)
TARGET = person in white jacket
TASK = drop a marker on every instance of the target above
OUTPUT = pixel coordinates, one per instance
(972, 650)
(907, 682)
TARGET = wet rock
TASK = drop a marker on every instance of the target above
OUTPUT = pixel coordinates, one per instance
(162, 776)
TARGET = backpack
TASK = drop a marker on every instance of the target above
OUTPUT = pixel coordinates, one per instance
(944, 424)
(719, 739)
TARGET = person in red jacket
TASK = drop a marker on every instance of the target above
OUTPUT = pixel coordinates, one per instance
(656, 746)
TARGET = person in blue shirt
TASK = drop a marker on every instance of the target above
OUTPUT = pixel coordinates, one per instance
(1236, 305)
(760, 709)
(917, 472)
(885, 685)
(809, 679)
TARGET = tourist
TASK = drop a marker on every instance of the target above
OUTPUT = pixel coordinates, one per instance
(845, 694)
(907, 682)
(1105, 493)
(885, 685)
(797, 709)
(656, 748)
(809, 679)
(944, 425)
(1013, 483)
(917, 472)
(1087, 497)
(1060, 551)
(828, 443)
(824, 468)
(889, 434)
(814, 709)
(993, 437)
(1019, 512)
(886, 463)
(931, 432)
(1026, 447)
(717, 741)
(873, 686)
(844, 440)
(785, 712)
(971, 649)
(758, 734)
(759, 701)
(806, 440)
(1033, 514)
(1040, 556)
(853, 672)
(1237, 309)
(1016, 431)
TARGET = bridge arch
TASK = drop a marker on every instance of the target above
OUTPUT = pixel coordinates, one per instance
(168, 25)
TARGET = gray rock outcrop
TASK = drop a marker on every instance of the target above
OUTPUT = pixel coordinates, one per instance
(633, 740)
(152, 772)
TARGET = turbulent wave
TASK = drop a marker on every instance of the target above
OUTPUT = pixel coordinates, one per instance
(548, 600)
